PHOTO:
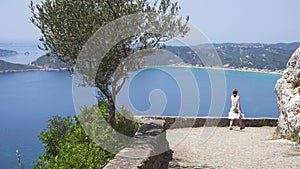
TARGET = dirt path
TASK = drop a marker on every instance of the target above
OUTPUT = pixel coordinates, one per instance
(249, 148)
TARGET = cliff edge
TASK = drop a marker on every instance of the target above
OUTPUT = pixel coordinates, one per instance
(288, 97)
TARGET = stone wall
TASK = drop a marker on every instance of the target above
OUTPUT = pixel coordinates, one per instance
(288, 97)
(149, 150)
(184, 122)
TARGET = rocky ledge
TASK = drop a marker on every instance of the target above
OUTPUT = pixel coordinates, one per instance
(149, 150)
(288, 97)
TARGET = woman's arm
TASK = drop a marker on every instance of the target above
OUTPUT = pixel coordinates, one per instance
(238, 106)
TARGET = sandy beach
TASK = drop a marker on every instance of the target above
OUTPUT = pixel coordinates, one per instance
(279, 72)
(245, 69)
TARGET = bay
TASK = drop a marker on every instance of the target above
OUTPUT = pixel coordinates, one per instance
(29, 99)
(159, 91)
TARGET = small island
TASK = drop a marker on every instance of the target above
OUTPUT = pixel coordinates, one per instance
(4, 52)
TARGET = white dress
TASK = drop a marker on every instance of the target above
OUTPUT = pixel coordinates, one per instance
(234, 104)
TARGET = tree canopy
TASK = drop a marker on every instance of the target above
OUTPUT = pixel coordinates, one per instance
(66, 26)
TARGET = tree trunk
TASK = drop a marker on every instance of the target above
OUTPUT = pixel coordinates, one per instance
(111, 112)
(111, 104)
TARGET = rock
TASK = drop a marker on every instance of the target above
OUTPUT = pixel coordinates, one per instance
(288, 97)
(149, 150)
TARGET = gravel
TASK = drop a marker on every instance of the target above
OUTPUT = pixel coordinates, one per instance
(219, 147)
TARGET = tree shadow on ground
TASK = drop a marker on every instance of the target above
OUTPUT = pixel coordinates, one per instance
(179, 164)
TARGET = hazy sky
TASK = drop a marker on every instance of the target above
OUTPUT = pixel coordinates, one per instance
(266, 21)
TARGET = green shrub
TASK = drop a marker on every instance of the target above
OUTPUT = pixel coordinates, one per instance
(125, 123)
(94, 121)
(68, 146)
(294, 137)
(74, 142)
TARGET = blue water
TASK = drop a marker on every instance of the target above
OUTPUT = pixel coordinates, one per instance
(158, 91)
(29, 99)
(258, 98)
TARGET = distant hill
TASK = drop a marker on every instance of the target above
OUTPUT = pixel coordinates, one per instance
(42, 63)
(244, 55)
(49, 62)
(11, 67)
(4, 52)
(250, 55)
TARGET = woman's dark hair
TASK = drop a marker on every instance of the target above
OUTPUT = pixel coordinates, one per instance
(234, 91)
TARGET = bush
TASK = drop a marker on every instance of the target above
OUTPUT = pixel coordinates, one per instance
(125, 123)
(95, 122)
(68, 146)
(74, 143)
(294, 137)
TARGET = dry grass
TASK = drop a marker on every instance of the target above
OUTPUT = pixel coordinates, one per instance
(295, 137)
(276, 135)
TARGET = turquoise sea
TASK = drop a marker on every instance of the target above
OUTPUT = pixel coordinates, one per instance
(29, 99)
(175, 91)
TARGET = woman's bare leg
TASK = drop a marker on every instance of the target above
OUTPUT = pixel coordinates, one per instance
(241, 123)
(230, 124)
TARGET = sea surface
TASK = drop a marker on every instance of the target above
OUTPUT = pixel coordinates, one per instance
(177, 91)
(29, 99)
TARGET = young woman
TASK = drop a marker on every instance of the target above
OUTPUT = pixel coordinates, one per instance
(235, 109)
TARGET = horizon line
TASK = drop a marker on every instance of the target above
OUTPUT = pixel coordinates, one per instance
(224, 42)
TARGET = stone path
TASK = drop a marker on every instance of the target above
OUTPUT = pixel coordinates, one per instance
(201, 148)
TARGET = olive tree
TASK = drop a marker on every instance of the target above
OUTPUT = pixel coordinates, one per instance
(66, 25)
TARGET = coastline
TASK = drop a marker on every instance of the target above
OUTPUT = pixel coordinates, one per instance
(30, 70)
(252, 70)
(245, 69)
